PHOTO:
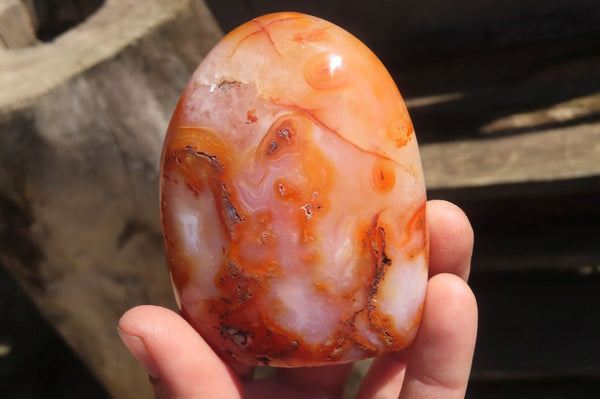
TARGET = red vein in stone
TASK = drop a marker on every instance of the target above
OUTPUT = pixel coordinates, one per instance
(311, 114)
(263, 29)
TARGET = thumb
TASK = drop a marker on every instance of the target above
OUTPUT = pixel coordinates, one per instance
(180, 363)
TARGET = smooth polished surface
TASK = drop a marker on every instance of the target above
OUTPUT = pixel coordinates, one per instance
(292, 198)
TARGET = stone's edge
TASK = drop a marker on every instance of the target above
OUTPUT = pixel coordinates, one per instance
(379, 141)
(232, 81)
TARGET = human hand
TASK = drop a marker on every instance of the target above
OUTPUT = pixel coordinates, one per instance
(437, 365)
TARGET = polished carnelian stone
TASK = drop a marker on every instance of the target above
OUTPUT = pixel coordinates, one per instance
(293, 200)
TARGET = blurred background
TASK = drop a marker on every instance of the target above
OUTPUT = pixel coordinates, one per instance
(504, 96)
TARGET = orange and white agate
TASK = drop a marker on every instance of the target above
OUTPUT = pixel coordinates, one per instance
(293, 200)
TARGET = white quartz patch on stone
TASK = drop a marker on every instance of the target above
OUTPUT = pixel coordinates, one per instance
(403, 290)
(304, 310)
(199, 243)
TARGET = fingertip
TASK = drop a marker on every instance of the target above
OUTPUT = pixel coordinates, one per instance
(136, 326)
(138, 349)
(147, 320)
(181, 364)
(454, 297)
(451, 239)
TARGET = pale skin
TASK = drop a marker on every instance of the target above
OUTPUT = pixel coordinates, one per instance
(181, 365)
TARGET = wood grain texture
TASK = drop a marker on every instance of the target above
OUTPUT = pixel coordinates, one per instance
(32, 71)
(545, 155)
(17, 25)
(82, 120)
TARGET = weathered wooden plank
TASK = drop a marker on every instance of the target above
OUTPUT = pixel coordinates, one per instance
(16, 25)
(55, 17)
(546, 155)
(519, 134)
(82, 119)
(116, 25)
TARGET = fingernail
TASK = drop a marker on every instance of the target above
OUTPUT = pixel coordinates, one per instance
(138, 349)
